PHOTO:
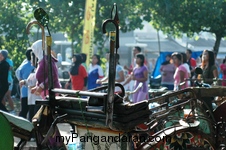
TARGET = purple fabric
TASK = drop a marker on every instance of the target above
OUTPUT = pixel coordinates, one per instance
(142, 93)
(42, 74)
(167, 74)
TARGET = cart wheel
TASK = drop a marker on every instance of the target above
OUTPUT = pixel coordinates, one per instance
(6, 135)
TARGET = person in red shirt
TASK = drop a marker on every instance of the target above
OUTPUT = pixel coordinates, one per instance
(191, 61)
(192, 64)
(78, 74)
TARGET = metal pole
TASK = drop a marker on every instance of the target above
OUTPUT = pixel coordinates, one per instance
(50, 73)
(159, 41)
(111, 77)
(114, 45)
(43, 31)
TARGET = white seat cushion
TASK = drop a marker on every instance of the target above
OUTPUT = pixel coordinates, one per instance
(18, 121)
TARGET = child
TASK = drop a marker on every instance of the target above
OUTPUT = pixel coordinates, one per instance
(30, 82)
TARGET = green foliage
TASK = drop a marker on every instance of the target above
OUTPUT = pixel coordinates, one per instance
(129, 17)
(68, 16)
(103, 63)
(13, 21)
(189, 16)
(171, 16)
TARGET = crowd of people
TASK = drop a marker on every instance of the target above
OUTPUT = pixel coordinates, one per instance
(94, 76)
(177, 73)
(179, 69)
(32, 75)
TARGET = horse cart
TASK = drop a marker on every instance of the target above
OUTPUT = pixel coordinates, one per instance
(182, 120)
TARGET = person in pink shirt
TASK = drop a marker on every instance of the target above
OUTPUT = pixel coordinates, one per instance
(223, 70)
(181, 73)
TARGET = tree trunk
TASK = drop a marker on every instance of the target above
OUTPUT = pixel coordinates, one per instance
(72, 42)
(217, 43)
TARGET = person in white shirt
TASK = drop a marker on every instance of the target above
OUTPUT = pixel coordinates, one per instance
(30, 82)
(119, 76)
(185, 64)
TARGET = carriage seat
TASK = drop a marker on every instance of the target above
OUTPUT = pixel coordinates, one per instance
(95, 104)
(125, 113)
(18, 121)
(130, 108)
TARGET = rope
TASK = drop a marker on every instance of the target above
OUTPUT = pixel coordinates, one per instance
(44, 72)
(83, 117)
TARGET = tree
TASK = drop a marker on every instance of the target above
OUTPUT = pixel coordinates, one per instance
(68, 16)
(13, 20)
(129, 18)
(65, 16)
(183, 16)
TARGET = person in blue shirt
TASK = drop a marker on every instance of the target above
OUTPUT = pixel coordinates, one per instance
(22, 73)
(17, 72)
(95, 72)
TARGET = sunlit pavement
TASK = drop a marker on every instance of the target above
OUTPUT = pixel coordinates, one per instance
(29, 145)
